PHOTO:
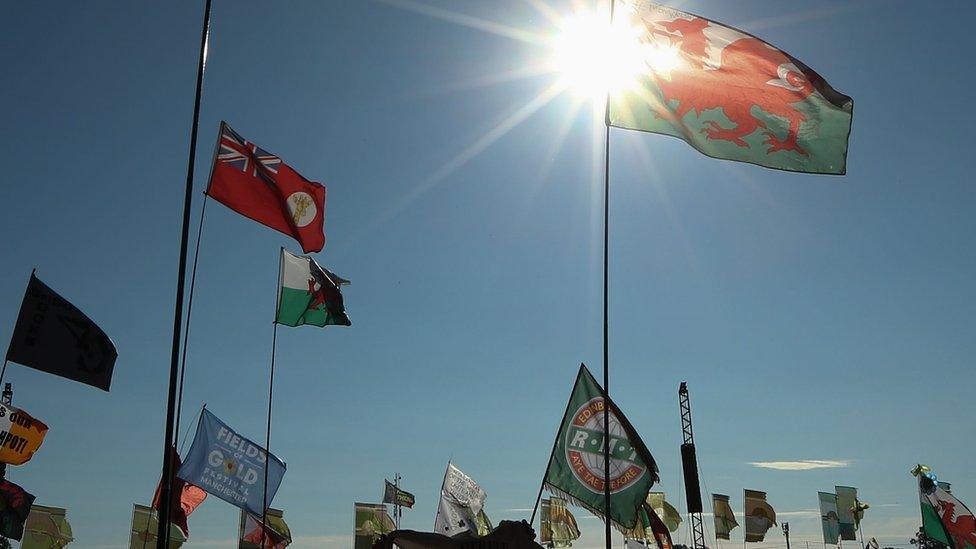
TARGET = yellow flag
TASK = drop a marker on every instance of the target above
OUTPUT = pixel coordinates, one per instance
(20, 435)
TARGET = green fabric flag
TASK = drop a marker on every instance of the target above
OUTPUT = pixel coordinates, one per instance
(576, 466)
(309, 294)
(729, 94)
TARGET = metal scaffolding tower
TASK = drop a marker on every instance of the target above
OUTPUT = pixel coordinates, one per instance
(690, 468)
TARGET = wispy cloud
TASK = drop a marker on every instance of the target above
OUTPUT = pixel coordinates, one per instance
(802, 464)
(803, 513)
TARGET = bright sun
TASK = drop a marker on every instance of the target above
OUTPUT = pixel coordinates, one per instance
(595, 57)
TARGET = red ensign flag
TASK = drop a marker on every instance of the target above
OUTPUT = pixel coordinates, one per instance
(257, 184)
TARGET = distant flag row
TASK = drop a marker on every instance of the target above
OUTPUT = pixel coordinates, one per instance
(144, 526)
(840, 514)
(575, 475)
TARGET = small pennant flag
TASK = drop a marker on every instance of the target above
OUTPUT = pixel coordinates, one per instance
(258, 185)
(395, 496)
(274, 534)
(309, 294)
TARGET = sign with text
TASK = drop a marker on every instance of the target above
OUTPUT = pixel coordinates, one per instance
(230, 466)
(20, 435)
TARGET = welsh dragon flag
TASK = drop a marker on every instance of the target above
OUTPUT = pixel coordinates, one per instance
(944, 518)
(731, 95)
(576, 466)
(309, 294)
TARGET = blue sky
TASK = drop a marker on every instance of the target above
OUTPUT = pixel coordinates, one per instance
(814, 318)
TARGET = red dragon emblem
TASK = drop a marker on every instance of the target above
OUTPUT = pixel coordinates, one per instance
(751, 75)
(962, 529)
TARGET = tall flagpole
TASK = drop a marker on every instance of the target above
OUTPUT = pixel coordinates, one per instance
(606, 315)
(267, 443)
(166, 495)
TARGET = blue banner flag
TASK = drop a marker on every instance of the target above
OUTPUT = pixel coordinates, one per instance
(230, 466)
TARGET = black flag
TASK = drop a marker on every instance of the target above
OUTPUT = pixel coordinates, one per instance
(53, 336)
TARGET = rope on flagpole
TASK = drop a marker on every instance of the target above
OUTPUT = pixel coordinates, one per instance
(3, 371)
(193, 283)
(166, 495)
(189, 310)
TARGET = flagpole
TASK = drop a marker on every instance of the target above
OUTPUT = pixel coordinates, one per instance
(606, 315)
(267, 443)
(162, 537)
(3, 372)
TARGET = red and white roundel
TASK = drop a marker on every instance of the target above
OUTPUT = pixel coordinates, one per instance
(584, 450)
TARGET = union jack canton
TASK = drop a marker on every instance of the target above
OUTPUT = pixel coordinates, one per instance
(246, 156)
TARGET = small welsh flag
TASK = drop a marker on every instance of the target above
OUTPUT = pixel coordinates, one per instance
(309, 294)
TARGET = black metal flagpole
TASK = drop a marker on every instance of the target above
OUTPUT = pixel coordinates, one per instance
(166, 495)
(606, 316)
(267, 443)
(606, 331)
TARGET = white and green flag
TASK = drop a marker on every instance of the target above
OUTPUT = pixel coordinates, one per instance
(846, 503)
(309, 294)
(829, 521)
(576, 467)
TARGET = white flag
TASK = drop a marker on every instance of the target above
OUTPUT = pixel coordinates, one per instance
(461, 501)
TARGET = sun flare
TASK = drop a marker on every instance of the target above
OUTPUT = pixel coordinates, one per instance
(594, 57)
